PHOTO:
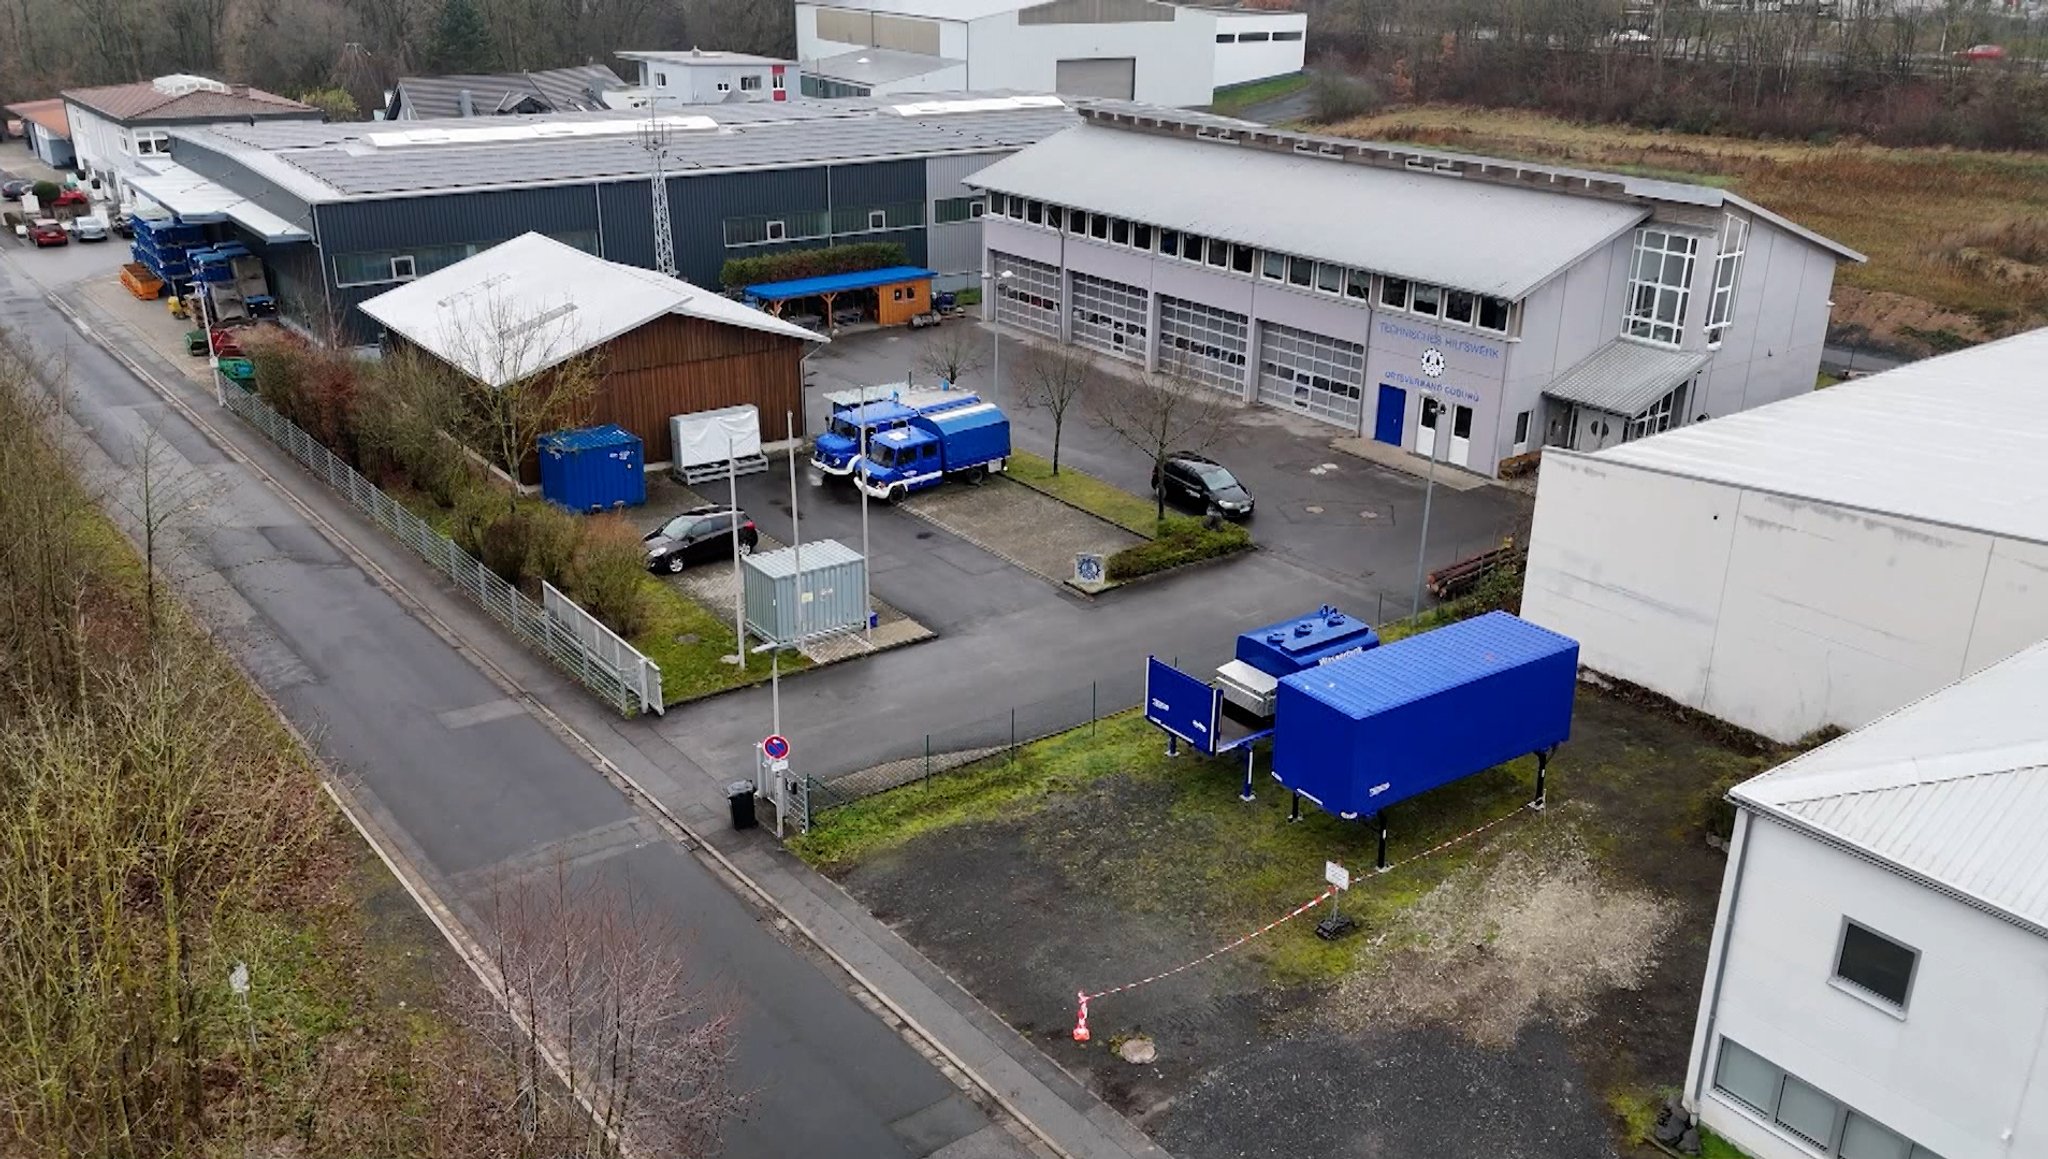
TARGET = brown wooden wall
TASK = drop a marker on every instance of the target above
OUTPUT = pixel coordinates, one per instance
(675, 365)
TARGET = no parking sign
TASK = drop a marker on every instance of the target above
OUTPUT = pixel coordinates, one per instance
(776, 747)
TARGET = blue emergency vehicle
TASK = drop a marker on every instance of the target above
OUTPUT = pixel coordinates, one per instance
(834, 451)
(968, 441)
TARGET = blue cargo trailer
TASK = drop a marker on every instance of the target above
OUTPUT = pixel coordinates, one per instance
(1290, 646)
(594, 469)
(1369, 730)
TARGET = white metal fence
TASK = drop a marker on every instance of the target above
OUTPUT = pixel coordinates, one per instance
(559, 629)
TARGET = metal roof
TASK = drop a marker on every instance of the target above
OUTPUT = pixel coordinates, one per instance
(342, 162)
(179, 97)
(1952, 789)
(562, 90)
(837, 283)
(1373, 681)
(1488, 238)
(1625, 377)
(587, 439)
(698, 56)
(49, 114)
(518, 308)
(1957, 440)
(817, 554)
(200, 201)
(875, 66)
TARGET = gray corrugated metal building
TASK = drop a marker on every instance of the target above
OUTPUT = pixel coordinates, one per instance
(380, 203)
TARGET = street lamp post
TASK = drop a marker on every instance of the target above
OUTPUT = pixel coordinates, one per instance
(1436, 441)
(995, 327)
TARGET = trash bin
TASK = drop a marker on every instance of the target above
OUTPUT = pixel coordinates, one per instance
(740, 795)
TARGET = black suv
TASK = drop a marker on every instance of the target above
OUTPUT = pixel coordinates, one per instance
(1190, 479)
(696, 536)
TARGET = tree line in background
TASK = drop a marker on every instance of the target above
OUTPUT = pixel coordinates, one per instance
(358, 47)
(1887, 70)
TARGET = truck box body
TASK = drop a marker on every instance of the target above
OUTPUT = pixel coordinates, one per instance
(835, 449)
(934, 445)
(1368, 730)
(1305, 641)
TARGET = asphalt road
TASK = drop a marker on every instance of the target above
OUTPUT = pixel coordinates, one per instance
(476, 787)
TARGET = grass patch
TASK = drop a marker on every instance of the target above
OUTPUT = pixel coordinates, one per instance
(690, 642)
(1908, 209)
(1824, 380)
(1181, 541)
(1134, 513)
(997, 787)
(1232, 101)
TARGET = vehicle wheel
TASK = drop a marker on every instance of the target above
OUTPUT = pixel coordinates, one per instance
(675, 564)
(976, 476)
(898, 493)
(746, 547)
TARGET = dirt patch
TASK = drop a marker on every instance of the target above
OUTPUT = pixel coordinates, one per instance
(1538, 933)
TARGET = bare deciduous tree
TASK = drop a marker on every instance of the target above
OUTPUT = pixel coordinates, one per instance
(162, 494)
(952, 353)
(522, 372)
(607, 1039)
(1054, 379)
(1161, 412)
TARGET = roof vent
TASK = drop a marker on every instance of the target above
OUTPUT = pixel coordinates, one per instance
(1305, 628)
(177, 84)
(1276, 637)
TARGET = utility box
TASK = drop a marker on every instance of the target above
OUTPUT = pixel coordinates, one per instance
(830, 596)
(1370, 729)
(594, 469)
(1305, 641)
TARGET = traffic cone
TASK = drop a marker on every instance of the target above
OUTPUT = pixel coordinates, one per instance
(1081, 1023)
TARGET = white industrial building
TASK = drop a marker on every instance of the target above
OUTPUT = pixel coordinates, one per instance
(1143, 50)
(122, 131)
(1816, 562)
(696, 77)
(1877, 983)
(1377, 287)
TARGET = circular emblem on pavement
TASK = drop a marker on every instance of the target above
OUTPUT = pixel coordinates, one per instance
(1432, 362)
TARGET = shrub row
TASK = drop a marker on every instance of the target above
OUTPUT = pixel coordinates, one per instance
(391, 424)
(812, 263)
(1181, 540)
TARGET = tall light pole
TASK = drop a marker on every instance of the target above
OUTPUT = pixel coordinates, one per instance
(995, 326)
(1437, 439)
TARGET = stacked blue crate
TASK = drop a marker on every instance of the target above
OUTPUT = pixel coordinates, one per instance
(165, 247)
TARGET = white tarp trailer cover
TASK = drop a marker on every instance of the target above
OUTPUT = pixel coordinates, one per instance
(714, 436)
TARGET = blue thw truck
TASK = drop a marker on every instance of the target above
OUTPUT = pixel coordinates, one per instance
(968, 441)
(834, 451)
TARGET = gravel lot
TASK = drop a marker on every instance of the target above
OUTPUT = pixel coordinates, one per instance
(1032, 530)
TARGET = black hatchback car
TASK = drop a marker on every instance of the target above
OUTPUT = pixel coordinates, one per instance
(1189, 479)
(699, 535)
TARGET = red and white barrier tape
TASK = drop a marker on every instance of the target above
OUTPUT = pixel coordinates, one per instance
(1081, 1023)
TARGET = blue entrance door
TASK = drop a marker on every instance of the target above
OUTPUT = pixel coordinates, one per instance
(1387, 421)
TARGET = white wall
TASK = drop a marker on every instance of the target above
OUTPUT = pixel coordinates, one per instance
(1779, 615)
(1238, 63)
(1952, 1075)
(1773, 348)
(1176, 63)
(96, 142)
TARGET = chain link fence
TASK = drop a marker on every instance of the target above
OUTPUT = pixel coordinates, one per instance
(619, 675)
(995, 736)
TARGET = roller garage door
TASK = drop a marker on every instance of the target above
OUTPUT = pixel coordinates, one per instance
(1105, 76)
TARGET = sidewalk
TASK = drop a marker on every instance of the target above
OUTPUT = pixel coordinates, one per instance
(971, 1039)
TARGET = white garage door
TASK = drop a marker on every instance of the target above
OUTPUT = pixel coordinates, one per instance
(1108, 76)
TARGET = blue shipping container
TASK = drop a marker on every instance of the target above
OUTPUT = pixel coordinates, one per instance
(1305, 641)
(1371, 729)
(593, 469)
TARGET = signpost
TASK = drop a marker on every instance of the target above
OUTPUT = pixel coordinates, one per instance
(1336, 925)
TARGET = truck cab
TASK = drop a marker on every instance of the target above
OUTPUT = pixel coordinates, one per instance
(834, 451)
(968, 441)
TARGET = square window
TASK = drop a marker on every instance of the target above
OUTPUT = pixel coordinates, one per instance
(1864, 1139)
(1169, 242)
(775, 230)
(1191, 246)
(1141, 237)
(1742, 1073)
(1034, 212)
(661, 80)
(877, 219)
(1807, 1113)
(1273, 266)
(1242, 258)
(1394, 293)
(1077, 222)
(404, 268)
(750, 83)
(1300, 272)
(995, 203)
(1358, 284)
(777, 82)
(1426, 300)
(725, 86)
(1875, 964)
(1493, 315)
(1219, 252)
(1329, 278)
(1014, 208)
(1098, 226)
(1052, 216)
(1460, 306)
(1120, 231)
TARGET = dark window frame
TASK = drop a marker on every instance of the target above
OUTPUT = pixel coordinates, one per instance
(1867, 986)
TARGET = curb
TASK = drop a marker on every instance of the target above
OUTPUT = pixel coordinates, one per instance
(632, 788)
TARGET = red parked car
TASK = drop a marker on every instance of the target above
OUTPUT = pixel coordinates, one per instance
(1982, 52)
(46, 232)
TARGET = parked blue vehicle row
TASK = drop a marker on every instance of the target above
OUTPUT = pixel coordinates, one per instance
(967, 442)
(835, 450)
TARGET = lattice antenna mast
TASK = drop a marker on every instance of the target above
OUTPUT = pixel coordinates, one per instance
(657, 136)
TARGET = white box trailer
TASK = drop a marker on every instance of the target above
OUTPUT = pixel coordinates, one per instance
(712, 443)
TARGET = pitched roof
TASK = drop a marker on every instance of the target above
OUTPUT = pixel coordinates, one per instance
(1951, 790)
(182, 98)
(1625, 377)
(556, 90)
(1498, 239)
(1957, 440)
(49, 114)
(518, 308)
